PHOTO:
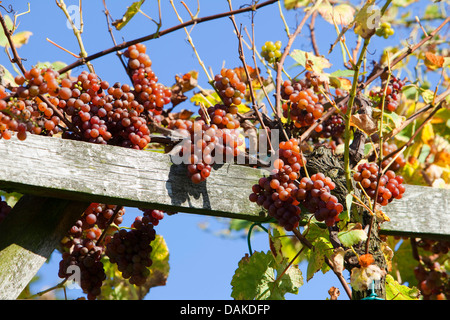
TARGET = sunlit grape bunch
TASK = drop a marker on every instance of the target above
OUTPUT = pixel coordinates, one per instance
(390, 185)
(230, 87)
(271, 51)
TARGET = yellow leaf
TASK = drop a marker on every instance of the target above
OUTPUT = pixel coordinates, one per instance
(428, 134)
(21, 38)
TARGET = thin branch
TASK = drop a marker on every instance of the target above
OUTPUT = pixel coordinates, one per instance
(249, 80)
(162, 33)
(342, 280)
(399, 58)
(280, 63)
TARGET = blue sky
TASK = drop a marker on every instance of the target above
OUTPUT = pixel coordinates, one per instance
(202, 264)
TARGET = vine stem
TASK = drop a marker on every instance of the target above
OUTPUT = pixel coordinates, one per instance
(341, 278)
(158, 34)
(351, 100)
(77, 32)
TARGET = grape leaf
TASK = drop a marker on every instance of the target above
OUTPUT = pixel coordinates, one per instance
(310, 61)
(128, 15)
(316, 257)
(351, 237)
(396, 291)
(6, 78)
(340, 14)
(21, 38)
(256, 278)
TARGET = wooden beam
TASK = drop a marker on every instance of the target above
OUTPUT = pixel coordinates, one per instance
(87, 172)
(75, 170)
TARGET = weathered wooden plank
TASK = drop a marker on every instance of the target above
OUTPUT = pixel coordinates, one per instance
(422, 212)
(88, 172)
(28, 236)
(54, 167)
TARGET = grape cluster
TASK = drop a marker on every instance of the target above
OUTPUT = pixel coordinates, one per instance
(4, 209)
(385, 30)
(151, 94)
(314, 194)
(275, 193)
(154, 215)
(229, 87)
(434, 246)
(333, 127)
(398, 163)
(208, 143)
(393, 94)
(131, 250)
(86, 256)
(390, 185)
(271, 52)
(83, 249)
(23, 111)
(433, 280)
(95, 111)
(303, 104)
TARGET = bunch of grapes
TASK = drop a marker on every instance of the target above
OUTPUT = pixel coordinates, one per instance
(390, 185)
(4, 209)
(393, 94)
(151, 94)
(23, 111)
(434, 246)
(314, 194)
(398, 163)
(131, 250)
(303, 104)
(154, 215)
(333, 127)
(208, 143)
(86, 256)
(275, 193)
(222, 116)
(385, 30)
(229, 87)
(433, 280)
(271, 51)
(83, 249)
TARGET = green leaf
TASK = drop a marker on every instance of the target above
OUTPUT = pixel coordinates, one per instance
(9, 25)
(128, 15)
(159, 270)
(256, 278)
(10, 198)
(310, 61)
(396, 291)
(342, 73)
(316, 257)
(351, 237)
(210, 98)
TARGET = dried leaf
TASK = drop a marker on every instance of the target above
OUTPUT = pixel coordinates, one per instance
(364, 123)
(433, 61)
